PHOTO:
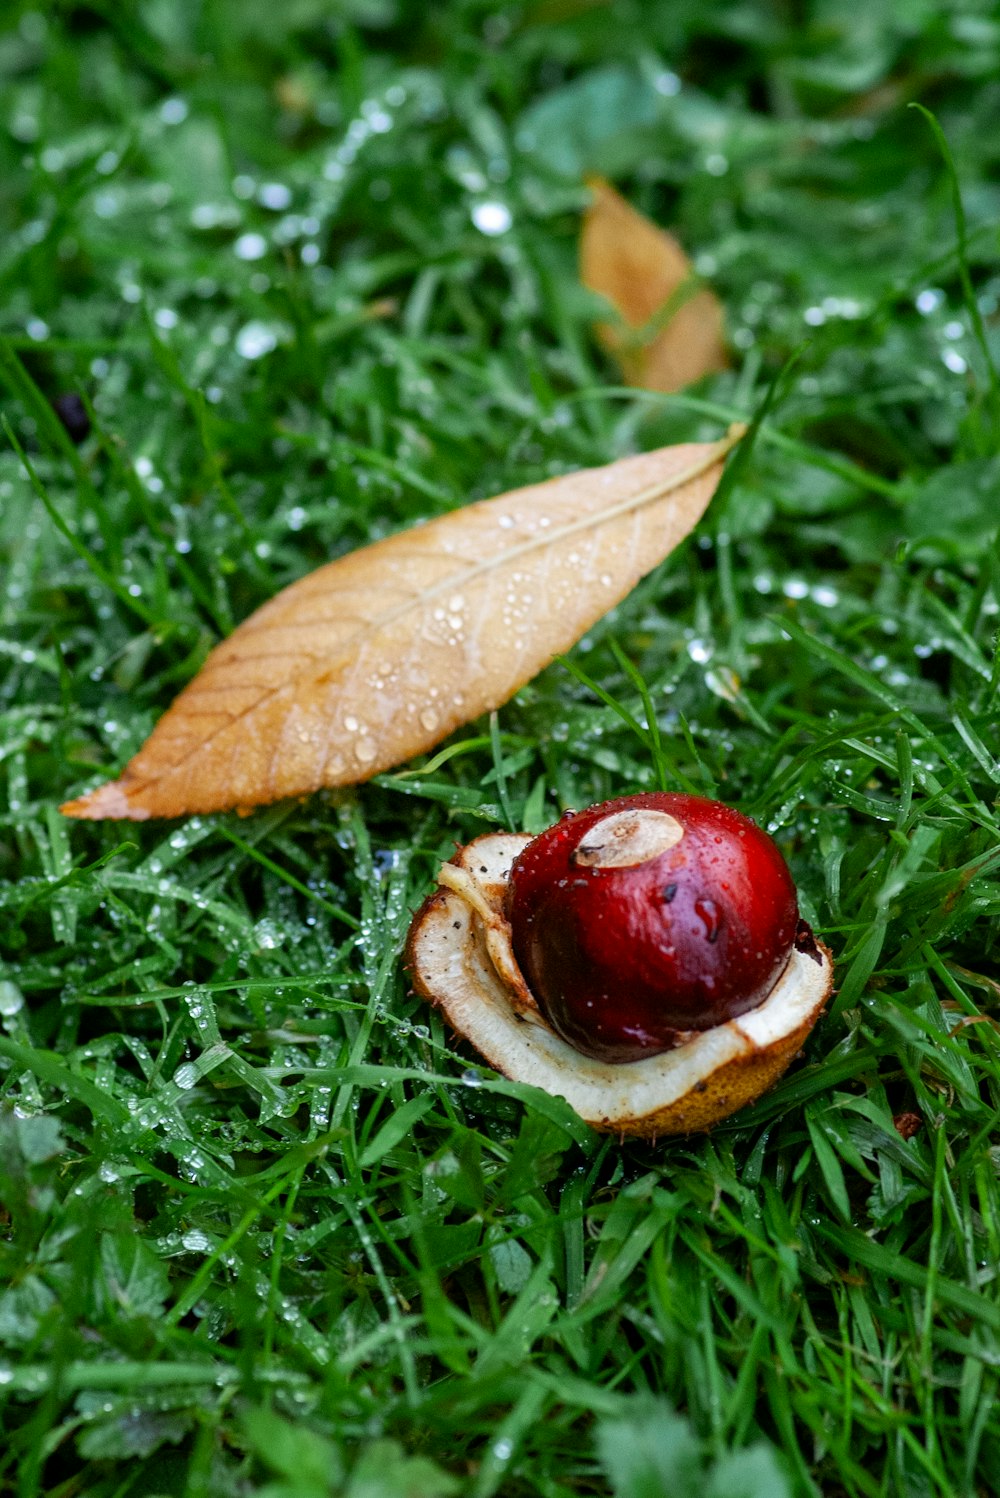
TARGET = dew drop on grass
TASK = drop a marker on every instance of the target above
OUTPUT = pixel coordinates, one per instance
(384, 860)
(274, 195)
(250, 247)
(378, 119)
(11, 999)
(173, 111)
(255, 339)
(267, 935)
(180, 840)
(492, 218)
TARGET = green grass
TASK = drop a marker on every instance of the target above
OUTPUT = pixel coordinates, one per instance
(266, 1231)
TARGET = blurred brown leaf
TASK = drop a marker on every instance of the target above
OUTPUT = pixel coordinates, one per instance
(669, 330)
(379, 655)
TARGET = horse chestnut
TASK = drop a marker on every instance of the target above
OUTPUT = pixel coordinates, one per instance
(647, 917)
(643, 960)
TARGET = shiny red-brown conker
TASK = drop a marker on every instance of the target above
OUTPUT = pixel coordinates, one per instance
(623, 960)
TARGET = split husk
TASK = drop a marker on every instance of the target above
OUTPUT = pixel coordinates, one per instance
(460, 959)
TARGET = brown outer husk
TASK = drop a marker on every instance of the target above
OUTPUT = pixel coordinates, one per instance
(719, 1070)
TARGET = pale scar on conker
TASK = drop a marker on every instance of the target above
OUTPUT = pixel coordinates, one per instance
(644, 959)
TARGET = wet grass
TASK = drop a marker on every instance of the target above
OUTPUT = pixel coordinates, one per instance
(265, 1231)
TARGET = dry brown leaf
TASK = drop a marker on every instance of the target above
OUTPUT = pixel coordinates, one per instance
(643, 273)
(378, 656)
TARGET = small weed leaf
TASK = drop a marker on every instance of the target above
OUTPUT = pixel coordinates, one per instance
(310, 1464)
(650, 1451)
(133, 1280)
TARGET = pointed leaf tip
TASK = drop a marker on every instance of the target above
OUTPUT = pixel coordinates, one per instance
(378, 656)
(109, 801)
